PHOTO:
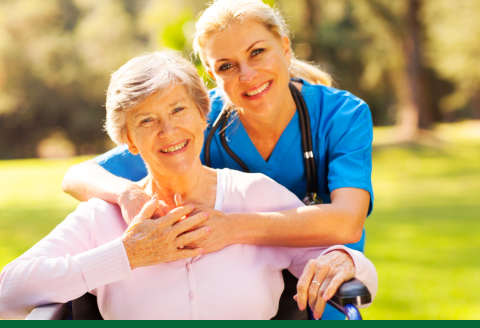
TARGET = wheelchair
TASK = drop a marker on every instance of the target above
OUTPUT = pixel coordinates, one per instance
(348, 297)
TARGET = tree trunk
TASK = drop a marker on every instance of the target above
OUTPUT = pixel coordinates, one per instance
(312, 11)
(416, 114)
(476, 105)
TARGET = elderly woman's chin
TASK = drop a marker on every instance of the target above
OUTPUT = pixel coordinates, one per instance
(176, 164)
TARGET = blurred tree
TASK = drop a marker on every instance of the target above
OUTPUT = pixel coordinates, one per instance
(55, 61)
(393, 49)
(453, 47)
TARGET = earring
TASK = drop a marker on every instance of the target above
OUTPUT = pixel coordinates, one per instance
(134, 149)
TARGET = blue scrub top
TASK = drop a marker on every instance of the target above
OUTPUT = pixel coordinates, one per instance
(342, 134)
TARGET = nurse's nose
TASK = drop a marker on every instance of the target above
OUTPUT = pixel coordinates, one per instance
(247, 73)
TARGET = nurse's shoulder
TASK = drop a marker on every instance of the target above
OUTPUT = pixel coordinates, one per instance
(334, 110)
(217, 100)
(329, 101)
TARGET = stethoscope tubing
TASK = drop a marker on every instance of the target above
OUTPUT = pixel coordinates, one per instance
(306, 140)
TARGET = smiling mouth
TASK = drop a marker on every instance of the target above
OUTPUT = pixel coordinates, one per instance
(259, 90)
(174, 148)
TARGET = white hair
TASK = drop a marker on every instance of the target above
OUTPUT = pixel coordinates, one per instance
(146, 75)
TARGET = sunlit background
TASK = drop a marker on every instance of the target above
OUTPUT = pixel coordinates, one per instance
(415, 62)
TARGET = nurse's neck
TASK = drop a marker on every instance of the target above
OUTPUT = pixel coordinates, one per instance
(266, 129)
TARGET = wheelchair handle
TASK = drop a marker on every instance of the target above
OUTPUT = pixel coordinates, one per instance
(349, 295)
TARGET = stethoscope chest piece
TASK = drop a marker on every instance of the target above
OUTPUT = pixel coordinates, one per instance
(312, 199)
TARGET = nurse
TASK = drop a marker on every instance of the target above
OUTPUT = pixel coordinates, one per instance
(245, 48)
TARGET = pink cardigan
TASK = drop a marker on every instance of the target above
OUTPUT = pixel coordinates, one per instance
(85, 254)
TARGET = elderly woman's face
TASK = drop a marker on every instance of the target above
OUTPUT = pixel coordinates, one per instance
(167, 131)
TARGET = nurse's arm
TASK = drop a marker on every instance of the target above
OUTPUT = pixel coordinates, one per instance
(340, 222)
(89, 180)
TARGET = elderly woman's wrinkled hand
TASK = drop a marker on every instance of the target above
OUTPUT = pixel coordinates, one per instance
(321, 278)
(149, 242)
(222, 233)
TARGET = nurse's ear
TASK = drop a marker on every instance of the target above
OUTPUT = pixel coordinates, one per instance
(287, 49)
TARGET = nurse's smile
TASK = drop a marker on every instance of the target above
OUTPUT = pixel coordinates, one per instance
(258, 92)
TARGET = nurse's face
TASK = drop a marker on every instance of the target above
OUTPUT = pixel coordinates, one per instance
(167, 132)
(251, 65)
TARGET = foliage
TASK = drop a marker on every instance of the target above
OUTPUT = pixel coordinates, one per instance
(56, 58)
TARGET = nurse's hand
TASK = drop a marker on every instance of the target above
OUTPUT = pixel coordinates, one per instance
(149, 242)
(223, 231)
(321, 278)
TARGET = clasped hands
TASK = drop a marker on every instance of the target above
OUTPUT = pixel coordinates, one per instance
(152, 241)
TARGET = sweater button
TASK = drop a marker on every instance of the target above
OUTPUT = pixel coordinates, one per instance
(191, 295)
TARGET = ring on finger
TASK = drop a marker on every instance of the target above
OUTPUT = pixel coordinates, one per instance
(316, 282)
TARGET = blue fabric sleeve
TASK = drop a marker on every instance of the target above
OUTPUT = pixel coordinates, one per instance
(120, 162)
(350, 148)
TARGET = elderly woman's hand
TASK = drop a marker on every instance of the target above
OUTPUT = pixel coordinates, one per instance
(149, 242)
(321, 278)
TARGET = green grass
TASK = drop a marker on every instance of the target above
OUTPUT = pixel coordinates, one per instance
(423, 235)
(31, 203)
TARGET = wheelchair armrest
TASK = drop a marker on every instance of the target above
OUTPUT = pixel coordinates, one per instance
(58, 311)
(352, 292)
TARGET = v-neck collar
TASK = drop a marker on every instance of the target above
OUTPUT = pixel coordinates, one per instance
(239, 138)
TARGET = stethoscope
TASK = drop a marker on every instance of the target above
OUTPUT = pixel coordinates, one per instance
(311, 197)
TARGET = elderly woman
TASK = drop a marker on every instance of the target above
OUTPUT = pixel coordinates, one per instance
(157, 105)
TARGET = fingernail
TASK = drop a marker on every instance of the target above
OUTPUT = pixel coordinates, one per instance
(295, 297)
(154, 198)
(202, 251)
(206, 214)
(316, 315)
(208, 229)
(325, 297)
(301, 307)
(192, 206)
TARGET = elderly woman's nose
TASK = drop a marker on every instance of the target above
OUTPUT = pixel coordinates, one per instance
(247, 73)
(166, 127)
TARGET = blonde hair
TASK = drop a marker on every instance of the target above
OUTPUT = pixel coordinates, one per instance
(146, 75)
(222, 13)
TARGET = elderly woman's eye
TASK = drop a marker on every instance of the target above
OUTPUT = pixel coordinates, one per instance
(147, 120)
(224, 67)
(179, 109)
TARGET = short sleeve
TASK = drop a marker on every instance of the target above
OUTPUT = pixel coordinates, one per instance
(350, 148)
(120, 162)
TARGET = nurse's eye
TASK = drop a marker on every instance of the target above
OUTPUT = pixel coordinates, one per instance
(257, 52)
(225, 67)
